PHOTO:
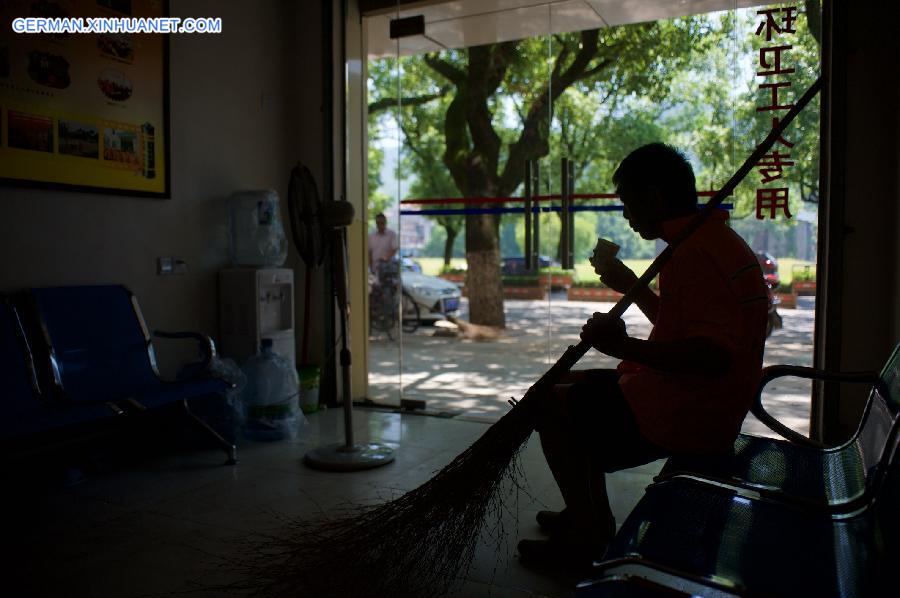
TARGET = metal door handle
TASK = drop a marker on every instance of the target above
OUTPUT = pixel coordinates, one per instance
(567, 233)
(528, 203)
(532, 215)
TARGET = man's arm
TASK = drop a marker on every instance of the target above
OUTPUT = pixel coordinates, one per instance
(695, 355)
(393, 247)
(648, 302)
(619, 277)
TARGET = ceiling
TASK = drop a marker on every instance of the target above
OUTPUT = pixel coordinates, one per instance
(463, 23)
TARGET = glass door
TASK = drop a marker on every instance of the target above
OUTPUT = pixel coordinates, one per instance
(459, 104)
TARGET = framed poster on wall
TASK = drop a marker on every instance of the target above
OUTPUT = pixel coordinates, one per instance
(84, 111)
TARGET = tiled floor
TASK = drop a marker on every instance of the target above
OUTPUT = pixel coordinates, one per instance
(168, 524)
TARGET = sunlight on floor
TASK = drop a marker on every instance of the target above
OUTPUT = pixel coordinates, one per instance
(486, 374)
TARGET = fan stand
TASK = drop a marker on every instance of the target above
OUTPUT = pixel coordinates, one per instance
(346, 456)
(315, 224)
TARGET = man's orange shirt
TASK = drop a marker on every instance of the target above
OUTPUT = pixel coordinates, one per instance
(712, 287)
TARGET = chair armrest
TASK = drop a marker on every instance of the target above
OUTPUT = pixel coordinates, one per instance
(778, 371)
(205, 343)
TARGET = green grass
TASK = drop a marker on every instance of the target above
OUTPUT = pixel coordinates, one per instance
(432, 265)
(786, 265)
(584, 271)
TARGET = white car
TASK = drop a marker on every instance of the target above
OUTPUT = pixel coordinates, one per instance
(435, 297)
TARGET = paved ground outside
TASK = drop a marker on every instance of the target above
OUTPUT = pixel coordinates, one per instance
(474, 379)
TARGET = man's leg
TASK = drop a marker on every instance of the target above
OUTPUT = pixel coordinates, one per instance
(586, 428)
(582, 485)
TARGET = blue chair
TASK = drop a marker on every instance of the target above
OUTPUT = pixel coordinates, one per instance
(712, 537)
(98, 352)
(25, 413)
(798, 469)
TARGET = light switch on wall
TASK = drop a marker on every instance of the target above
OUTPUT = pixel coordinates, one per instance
(170, 265)
(164, 266)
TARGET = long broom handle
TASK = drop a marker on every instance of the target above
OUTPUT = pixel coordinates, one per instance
(576, 352)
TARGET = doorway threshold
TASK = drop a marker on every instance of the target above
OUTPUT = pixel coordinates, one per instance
(407, 410)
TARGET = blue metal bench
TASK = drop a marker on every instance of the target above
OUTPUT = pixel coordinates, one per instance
(711, 537)
(706, 541)
(95, 359)
(802, 470)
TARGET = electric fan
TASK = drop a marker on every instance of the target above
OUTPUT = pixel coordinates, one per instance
(319, 227)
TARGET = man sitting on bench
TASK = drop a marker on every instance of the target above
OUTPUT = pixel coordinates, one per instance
(685, 390)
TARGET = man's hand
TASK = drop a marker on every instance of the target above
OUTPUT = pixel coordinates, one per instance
(615, 274)
(605, 333)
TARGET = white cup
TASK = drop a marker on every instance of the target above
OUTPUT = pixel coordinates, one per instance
(603, 252)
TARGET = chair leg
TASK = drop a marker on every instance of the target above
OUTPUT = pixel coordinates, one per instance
(230, 449)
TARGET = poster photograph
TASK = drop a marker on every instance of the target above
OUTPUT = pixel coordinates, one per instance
(85, 111)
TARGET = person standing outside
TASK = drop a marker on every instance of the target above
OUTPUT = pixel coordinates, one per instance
(383, 244)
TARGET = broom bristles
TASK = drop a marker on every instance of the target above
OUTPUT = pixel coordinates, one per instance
(418, 544)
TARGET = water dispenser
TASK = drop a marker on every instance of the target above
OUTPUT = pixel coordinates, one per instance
(256, 303)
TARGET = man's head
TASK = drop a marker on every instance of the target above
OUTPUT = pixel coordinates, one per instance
(380, 222)
(655, 183)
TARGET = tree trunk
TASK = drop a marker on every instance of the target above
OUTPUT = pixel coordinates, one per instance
(483, 280)
(452, 233)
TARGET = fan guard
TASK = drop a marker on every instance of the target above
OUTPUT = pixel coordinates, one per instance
(306, 215)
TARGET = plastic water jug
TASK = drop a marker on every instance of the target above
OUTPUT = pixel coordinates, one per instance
(271, 410)
(256, 234)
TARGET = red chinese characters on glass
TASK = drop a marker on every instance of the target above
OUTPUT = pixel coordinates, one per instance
(777, 23)
(771, 166)
(770, 61)
(772, 200)
(773, 67)
(781, 139)
(774, 87)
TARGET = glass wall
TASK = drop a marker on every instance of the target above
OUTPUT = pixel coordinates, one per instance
(477, 112)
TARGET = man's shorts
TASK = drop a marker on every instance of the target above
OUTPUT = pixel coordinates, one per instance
(605, 426)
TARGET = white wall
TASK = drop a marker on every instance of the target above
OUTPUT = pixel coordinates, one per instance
(245, 105)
